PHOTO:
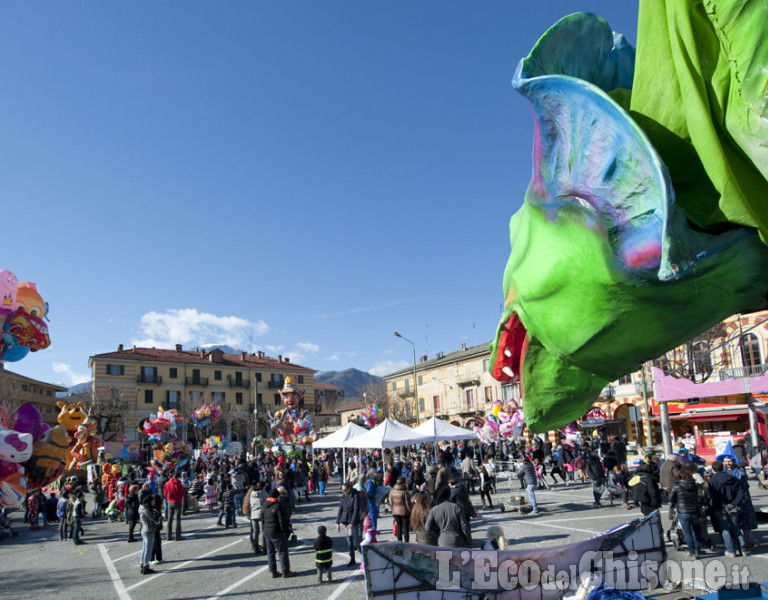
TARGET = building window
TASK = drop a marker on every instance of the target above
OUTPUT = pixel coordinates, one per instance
(407, 385)
(173, 373)
(322, 394)
(394, 386)
(421, 405)
(277, 399)
(421, 380)
(301, 403)
(195, 376)
(258, 377)
(486, 364)
(239, 398)
(625, 379)
(115, 370)
(149, 375)
(217, 397)
(750, 350)
(488, 394)
(300, 378)
(436, 402)
(172, 398)
(258, 399)
(148, 397)
(217, 375)
(470, 398)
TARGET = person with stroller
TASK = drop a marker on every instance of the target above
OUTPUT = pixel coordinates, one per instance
(685, 501)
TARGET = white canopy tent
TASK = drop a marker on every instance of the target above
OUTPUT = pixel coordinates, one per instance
(388, 434)
(442, 431)
(340, 437)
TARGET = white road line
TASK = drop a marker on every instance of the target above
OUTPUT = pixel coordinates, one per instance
(239, 583)
(572, 519)
(180, 565)
(592, 531)
(189, 535)
(122, 593)
(345, 584)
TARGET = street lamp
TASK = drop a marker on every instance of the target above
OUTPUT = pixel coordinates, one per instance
(415, 381)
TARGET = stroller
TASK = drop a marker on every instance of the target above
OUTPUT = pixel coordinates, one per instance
(5, 524)
(677, 537)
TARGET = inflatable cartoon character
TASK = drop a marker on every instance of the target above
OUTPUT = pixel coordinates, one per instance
(28, 299)
(8, 289)
(291, 394)
(85, 449)
(49, 457)
(71, 416)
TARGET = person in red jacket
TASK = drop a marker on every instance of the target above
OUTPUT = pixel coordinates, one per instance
(173, 490)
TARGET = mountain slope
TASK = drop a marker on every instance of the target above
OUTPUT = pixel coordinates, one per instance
(351, 381)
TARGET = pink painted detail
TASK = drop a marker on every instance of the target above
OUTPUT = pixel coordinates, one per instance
(645, 256)
(669, 389)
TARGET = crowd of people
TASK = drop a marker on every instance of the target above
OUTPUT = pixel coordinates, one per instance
(427, 492)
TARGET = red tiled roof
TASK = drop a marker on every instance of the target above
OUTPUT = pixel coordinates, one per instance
(327, 386)
(195, 358)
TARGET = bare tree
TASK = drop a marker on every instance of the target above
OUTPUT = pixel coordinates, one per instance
(106, 406)
(11, 393)
(696, 359)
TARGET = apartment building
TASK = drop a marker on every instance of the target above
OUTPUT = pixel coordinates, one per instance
(16, 390)
(245, 385)
(453, 387)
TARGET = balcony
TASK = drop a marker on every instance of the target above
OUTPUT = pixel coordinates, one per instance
(639, 388)
(742, 372)
(468, 383)
(145, 378)
(243, 383)
(276, 385)
(203, 381)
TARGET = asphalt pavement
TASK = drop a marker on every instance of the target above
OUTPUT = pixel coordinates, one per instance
(212, 562)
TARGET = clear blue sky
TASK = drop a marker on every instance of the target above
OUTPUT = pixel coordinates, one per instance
(299, 177)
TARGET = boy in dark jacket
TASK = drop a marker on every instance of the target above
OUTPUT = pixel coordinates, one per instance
(275, 524)
(228, 504)
(323, 554)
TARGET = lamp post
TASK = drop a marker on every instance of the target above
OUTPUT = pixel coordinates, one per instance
(415, 380)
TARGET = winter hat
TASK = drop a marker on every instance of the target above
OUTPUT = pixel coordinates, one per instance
(368, 523)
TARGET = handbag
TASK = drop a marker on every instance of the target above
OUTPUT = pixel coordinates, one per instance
(732, 510)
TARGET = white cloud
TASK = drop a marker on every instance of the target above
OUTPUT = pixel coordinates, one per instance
(384, 367)
(334, 357)
(188, 326)
(308, 347)
(295, 357)
(72, 377)
(273, 350)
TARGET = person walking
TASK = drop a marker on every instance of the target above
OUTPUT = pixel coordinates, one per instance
(157, 513)
(727, 496)
(447, 521)
(401, 509)
(255, 499)
(596, 474)
(276, 525)
(132, 510)
(684, 502)
(149, 524)
(350, 515)
(371, 491)
(78, 513)
(174, 493)
(747, 515)
(527, 473)
(61, 513)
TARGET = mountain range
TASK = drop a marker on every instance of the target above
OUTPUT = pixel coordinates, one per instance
(352, 381)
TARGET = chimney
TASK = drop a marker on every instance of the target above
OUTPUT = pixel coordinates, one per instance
(134, 349)
(464, 346)
(120, 348)
(202, 353)
(243, 355)
(279, 358)
(260, 354)
(178, 347)
(286, 359)
(423, 359)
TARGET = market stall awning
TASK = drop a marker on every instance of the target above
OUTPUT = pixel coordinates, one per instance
(388, 434)
(442, 431)
(709, 414)
(340, 437)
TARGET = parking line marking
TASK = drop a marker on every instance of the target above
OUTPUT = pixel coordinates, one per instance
(239, 583)
(122, 593)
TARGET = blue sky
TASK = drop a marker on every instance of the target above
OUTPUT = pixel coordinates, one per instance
(299, 177)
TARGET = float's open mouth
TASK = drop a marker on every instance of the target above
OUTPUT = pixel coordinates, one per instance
(510, 350)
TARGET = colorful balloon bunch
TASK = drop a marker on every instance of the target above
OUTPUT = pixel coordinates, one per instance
(168, 450)
(22, 310)
(206, 415)
(213, 445)
(32, 454)
(371, 415)
(501, 422)
(290, 429)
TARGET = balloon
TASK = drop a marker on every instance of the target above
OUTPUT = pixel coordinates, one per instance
(8, 289)
(48, 457)
(27, 419)
(28, 298)
(13, 352)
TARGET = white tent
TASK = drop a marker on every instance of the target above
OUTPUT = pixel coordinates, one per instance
(441, 431)
(388, 434)
(340, 437)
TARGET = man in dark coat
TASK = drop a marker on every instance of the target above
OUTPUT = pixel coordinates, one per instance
(596, 475)
(447, 520)
(727, 495)
(349, 515)
(275, 524)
